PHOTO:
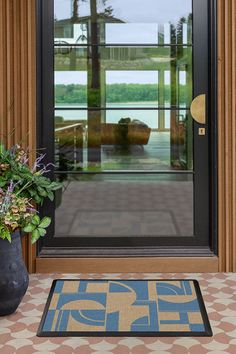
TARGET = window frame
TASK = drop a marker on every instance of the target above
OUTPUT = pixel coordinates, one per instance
(45, 109)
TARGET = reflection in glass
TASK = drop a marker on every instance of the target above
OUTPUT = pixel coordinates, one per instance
(121, 104)
(167, 91)
(130, 58)
(124, 21)
(125, 205)
(69, 142)
(124, 140)
(70, 88)
(137, 87)
(148, 11)
(132, 74)
(135, 139)
(69, 59)
(131, 33)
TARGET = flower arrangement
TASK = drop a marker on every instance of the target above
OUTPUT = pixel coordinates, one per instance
(21, 189)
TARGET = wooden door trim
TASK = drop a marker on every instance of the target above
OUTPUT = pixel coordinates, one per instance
(226, 127)
(127, 265)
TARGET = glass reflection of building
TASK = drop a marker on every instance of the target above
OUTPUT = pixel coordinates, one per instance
(101, 43)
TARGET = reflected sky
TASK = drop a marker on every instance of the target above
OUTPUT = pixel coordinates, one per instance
(112, 77)
(133, 77)
(117, 77)
(152, 11)
(142, 19)
(70, 77)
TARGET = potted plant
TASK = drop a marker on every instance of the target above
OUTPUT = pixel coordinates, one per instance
(21, 189)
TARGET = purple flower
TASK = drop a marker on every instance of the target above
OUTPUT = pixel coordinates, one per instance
(10, 187)
(42, 168)
(13, 149)
(24, 160)
(7, 198)
(32, 210)
(37, 162)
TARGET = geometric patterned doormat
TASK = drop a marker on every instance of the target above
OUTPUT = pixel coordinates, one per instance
(124, 308)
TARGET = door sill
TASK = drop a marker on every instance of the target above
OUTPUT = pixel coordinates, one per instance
(69, 252)
(127, 265)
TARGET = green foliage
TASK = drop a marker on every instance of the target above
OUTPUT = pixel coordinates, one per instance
(21, 188)
(30, 184)
(37, 227)
(5, 233)
(45, 222)
(72, 94)
(16, 213)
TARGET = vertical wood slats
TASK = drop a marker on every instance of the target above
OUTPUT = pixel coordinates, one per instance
(18, 83)
(227, 134)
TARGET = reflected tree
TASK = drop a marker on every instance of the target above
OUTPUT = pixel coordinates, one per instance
(181, 129)
(94, 23)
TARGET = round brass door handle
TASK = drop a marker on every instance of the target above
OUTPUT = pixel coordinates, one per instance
(198, 109)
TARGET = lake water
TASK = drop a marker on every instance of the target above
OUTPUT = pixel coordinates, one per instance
(150, 117)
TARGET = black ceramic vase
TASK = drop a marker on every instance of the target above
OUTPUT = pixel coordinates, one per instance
(14, 278)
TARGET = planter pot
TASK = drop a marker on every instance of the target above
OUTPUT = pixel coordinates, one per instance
(14, 279)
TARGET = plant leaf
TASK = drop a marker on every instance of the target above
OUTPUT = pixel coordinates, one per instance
(41, 231)
(31, 192)
(36, 220)
(35, 235)
(55, 185)
(51, 195)
(29, 228)
(2, 148)
(42, 192)
(45, 222)
(37, 199)
(5, 233)
(8, 235)
(43, 181)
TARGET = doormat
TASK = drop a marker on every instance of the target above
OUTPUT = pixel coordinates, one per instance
(124, 308)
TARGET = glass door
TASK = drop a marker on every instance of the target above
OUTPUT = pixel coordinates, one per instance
(133, 161)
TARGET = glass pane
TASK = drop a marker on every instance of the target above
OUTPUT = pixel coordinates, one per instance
(146, 140)
(149, 11)
(70, 130)
(69, 26)
(123, 21)
(125, 205)
(123, 140)
(138, 88)
(115, 111)
(66, 58)
(70, 88)
(138, 75)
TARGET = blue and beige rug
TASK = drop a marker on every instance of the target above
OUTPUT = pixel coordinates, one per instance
(124, 308)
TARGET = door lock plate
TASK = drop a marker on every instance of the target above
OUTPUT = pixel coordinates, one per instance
(201, 131)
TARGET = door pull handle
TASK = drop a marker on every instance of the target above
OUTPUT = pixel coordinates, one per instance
(198, 109)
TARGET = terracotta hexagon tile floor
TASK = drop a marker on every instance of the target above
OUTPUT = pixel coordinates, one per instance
(18, 331)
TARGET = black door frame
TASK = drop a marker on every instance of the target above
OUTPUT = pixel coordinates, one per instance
(204, 51)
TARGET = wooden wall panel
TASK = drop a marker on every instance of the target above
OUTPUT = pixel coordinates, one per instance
(18, 82)
(227, 134)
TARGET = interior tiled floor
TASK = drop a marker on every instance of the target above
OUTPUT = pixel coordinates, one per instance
(127, 208)
(17, 331)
